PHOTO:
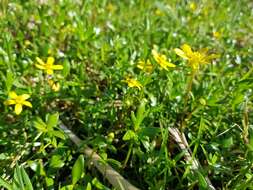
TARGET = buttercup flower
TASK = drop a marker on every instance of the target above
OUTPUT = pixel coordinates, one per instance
(111, 8)
(216, 34)
(162, 60)
(49, 66)
(158, 12)
(193, 6)
(18, 101)
(195, 58)
(27, 43)
(133, 83)
(54, 85)
(145, 66)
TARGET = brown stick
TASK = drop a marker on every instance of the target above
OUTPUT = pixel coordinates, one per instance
(106, 170)
(184, 146)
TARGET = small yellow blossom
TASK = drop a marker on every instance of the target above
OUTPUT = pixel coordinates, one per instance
(195, 58)
(145, 66)
(158, 12)
(54, 85)
(18, 101)
(193, 6)
(49, 66)
(133, 83)
(49, 51)
(27, 43)
(216, 34)
(111, 8)
(162, 60)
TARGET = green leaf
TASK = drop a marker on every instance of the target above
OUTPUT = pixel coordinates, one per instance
(228, 142)
(88, 187)
(49, 181)
(114, 163)
(149, 131)
(58, 134)
(26, 179)
(18, 181)
(130, 135)
(54, 141)
(9, 80)
(78, 169)
(37, 166)
(5, 184)
(250, 145)
(133, 117)
(202, 181)
(98, 184)
(56, 161)
(21, 179)
(52, 120)
(140, 115)
(40, 125)
(67, 187)
(66, 68)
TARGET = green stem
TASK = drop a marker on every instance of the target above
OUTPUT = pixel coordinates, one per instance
(186, 98)
(128, 155)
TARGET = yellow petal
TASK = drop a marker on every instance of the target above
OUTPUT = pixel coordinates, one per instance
(26, 103)
(163, 57)
(146, 66)
(57, 67)
(9, 102)
(169, 64)
(40, 66)
(141, 64)
(187, 49)
(50, 61)
(56, 87)
(154, 53)
(40, 61)
(50, 71)
(25, 96)
(50, 82)
(163, 66)
(13, 95)
(18, 109)
(180, 53)
(133, 83)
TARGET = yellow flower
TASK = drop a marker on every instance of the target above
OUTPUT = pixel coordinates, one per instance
(162, 60)
(158, 12)
(111, 8)
(27, 43)
(18, 101)
(54, 85)
(216, 34)
(145, 66)
(133, 83)
(195, 58)
(49, 66)
(193, 6)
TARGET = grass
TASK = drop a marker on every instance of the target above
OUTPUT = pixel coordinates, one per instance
(126, 114)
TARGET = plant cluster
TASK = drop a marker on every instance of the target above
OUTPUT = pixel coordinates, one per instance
(161, 90)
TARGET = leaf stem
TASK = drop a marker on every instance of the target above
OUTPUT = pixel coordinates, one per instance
(186, 98)
(128, 154)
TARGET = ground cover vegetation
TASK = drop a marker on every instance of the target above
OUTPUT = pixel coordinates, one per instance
(160, 90)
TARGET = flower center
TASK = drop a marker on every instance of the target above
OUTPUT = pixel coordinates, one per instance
(197, 58)
(19, 100)
(48, 66)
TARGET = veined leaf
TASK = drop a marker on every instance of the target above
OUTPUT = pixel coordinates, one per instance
(78, 169)
(52, 120)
